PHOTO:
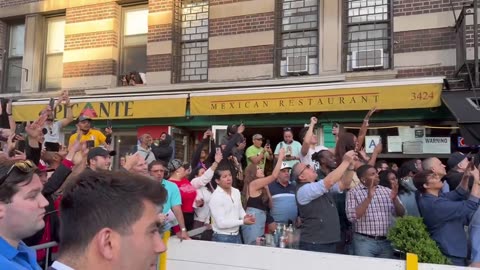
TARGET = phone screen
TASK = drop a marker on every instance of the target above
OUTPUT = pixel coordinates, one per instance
(52, 103)
(109, 123)
(21, 146)
(90, 143)
(20, 129)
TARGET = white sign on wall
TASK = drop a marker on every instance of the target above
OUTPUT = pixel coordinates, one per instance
(436, 145)
(370, 143)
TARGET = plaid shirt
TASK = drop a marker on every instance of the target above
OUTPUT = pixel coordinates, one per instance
(380, 212)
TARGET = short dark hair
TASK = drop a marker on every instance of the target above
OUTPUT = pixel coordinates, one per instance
(379, 163)
(16, 178)
(157, 162)
(362, 170)
(104, 199)
(421, 179)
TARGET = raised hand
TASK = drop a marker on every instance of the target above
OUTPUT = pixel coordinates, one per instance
(371, 189)
(350, 156)
(281, 154)
(313, 120)
(218, 157)
(394, 187)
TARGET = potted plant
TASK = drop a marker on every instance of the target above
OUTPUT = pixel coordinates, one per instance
(409, 234)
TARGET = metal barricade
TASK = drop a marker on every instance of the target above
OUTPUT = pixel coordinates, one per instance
(47, 246)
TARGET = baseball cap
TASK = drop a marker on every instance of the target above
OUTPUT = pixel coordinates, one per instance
(257, 137)
(232, 129)
(456, 158)
(175, 164)
(99, 152)
(285, 166)
(83, 117)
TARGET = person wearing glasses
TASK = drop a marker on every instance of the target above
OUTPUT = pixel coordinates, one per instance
(258, 155)
(320, 228)
(110, 220)
(22, 208)
(292, 148)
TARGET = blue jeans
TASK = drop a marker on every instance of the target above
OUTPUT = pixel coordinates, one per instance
(368, 247)
(251, 232)
(225, 238)
(475, 236)
(327, 248)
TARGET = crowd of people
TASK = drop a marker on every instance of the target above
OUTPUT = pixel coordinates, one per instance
(340, 200)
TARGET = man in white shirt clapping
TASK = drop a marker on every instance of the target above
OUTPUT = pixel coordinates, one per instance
(227, 210)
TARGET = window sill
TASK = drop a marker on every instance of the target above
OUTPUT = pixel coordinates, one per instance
(371, 75)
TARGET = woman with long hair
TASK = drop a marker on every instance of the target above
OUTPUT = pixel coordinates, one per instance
(405, 192)
(257, 197)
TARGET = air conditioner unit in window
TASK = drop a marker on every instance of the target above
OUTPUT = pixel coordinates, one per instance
(297, 64)
(367, 59)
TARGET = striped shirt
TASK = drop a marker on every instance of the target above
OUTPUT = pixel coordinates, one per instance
(380, 212)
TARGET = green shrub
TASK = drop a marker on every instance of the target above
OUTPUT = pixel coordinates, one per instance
(409, 234)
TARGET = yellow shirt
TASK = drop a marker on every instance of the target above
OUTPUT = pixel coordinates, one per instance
(93, 135)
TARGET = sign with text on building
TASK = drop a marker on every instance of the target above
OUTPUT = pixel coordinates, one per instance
(436, 145)
(371, 142)
(341, 99)
(119, 108)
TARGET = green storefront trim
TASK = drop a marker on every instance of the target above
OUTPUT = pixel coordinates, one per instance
(289, 119)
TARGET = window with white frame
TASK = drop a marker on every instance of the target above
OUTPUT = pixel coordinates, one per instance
(134, 43)
(53, 69)
(297, 37)
(367, 43)
(194, 40)
(14, 58)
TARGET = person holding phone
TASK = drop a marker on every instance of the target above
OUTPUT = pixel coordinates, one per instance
(458, 163)
(92, 137)
(446, 214)
(256, 154)
(52, 129)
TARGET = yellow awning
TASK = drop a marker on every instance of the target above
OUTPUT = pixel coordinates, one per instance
(109, 108)
(394, 94)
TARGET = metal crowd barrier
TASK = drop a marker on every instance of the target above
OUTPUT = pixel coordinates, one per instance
(162, 262)
(47, 246)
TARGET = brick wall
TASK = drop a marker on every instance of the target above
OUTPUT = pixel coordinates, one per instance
(159, 33)
(424, 40)
(92, 12)
(159, 62)
(413, 7)
(426, 72)
(90, 68)
(242, 24)
(222, 2)
(9, 3)
(92, 39)
(241, 56)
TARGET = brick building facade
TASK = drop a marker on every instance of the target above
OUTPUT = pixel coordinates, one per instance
(181, 46)
(243, 40)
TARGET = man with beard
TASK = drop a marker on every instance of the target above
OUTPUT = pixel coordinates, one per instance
(92, 137)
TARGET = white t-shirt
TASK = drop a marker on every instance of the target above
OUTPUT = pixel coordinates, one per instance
(308, 158)
(54, 132)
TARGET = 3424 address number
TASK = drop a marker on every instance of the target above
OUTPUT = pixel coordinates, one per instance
(421, 96)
